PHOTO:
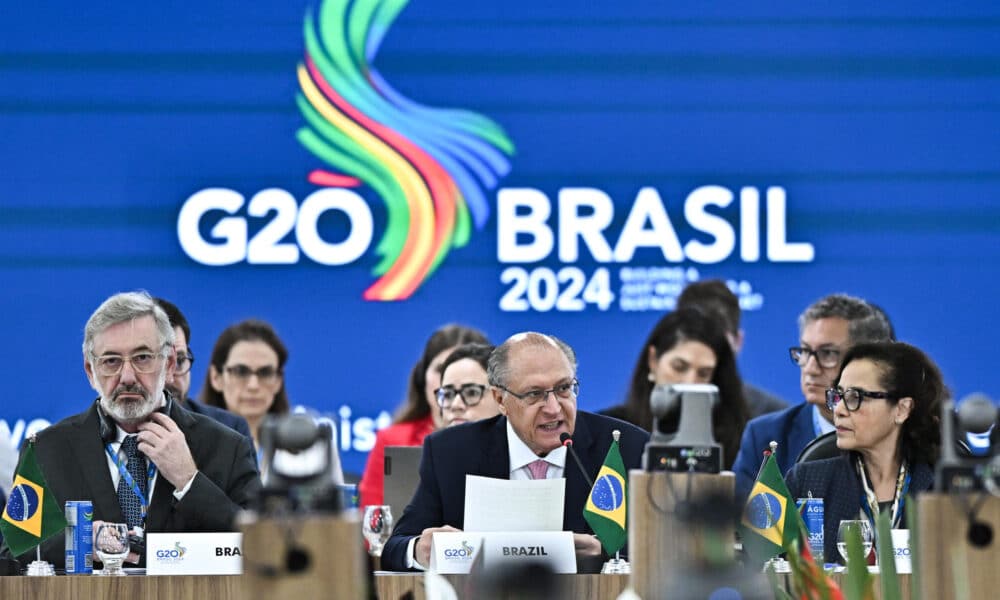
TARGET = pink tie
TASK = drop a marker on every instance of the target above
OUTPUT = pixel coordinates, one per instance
(538, 469)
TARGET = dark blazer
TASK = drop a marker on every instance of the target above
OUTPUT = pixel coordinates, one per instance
(792, 428)
(836, 481)
(230, 420)
(480, 448)
(71, 454)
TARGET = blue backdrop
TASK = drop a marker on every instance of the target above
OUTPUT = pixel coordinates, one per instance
(876, 124)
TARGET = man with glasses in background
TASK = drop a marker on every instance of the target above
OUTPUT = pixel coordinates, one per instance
(180, 384)
(139, 457)
(533, 381)
(827, 329)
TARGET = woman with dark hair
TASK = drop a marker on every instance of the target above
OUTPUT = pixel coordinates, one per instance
(886, 404)
(686, 346)
(465, 395)
(420, 415)
(246, 374)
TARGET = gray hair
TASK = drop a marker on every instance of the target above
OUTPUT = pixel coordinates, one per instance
(123, 307)
(865, 322)
(498, 366)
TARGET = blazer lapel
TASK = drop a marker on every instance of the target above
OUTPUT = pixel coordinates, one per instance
(577, 489)
(495, 460)
(90, 456)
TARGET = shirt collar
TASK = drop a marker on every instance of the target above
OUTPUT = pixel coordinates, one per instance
(521, 455)
(820, 423)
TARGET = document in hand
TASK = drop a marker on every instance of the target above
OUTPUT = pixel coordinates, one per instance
(513, 505)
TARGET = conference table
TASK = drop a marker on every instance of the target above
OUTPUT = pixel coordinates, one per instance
(389, 586)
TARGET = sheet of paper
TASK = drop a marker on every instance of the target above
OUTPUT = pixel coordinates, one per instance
(506, 505)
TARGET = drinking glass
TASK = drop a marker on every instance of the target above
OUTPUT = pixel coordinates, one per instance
(863, 527)
(111, 546)
(376, 527)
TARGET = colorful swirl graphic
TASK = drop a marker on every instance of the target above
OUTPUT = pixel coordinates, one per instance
(430, 166)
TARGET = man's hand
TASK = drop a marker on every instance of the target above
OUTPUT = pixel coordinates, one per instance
(586, 544)
(164, 443)
(422, 549)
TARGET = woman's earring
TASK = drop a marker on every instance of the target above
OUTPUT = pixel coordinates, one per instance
(651, 377)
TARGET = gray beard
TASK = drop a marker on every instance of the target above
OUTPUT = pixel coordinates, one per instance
(131, 413)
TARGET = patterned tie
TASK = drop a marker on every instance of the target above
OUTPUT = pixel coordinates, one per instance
(539, 469)
(131, 507)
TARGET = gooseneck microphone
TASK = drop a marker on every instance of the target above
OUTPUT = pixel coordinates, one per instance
(568, 442)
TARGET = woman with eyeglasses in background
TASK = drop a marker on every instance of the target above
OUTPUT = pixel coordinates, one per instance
(420, 415)
(464, 394)
(886, 404)
(246, 374)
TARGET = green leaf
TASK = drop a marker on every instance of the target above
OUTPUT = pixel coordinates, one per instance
(886, 558)
(858, 580)
(911, 524)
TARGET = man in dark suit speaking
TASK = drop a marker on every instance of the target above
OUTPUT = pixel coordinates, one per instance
(141, 458)
(533, 379)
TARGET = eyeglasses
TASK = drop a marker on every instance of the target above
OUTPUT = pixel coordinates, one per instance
(826, 357)
(184, 362)
(532, 397)
(243, 373)
(471, 394)
(112, 364)
(852, 397)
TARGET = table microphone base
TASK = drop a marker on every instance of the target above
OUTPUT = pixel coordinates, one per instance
(616, 566)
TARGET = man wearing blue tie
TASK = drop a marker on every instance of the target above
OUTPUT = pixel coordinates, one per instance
(533, 379)
(139, 457)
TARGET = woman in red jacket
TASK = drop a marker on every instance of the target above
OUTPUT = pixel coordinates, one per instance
(420, 415)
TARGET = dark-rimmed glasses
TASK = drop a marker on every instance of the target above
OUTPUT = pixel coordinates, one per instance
(852, 397)
(827, 358)
(470, 393)
(532, 397)
(110, 365)
(242, 373)
(184, 362)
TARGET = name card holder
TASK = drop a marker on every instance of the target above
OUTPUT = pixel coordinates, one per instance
(453, 552)
(194, 553)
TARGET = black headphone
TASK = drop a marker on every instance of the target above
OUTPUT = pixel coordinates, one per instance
(109, 429)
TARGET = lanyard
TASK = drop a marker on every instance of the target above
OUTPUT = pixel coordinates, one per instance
(123, 470)
(869, 501)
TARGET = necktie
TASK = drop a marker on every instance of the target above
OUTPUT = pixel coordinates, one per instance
(129, 502)
(538, 469)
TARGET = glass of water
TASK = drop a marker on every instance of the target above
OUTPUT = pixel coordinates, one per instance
(377, 526)
(111, 546)
(863, 527)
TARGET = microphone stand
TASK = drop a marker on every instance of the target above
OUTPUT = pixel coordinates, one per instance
(616, 565)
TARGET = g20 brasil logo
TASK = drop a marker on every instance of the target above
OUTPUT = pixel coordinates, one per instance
(429, 166)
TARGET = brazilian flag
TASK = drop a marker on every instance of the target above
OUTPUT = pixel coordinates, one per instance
(769, 524)
(605, 508)
(32, 514)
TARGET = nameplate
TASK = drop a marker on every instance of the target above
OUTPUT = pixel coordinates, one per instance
(456, 551)
(194, 553)
(901, 551)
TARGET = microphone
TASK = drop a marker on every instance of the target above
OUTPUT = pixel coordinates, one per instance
(568, 442)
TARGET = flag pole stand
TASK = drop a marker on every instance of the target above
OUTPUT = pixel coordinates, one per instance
(38, 567)
(617, 566)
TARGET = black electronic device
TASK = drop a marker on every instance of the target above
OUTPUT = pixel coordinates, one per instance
(959, 469)
(692, 447)
(297, 465)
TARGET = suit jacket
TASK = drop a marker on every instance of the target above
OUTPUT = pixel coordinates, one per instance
(230, 420)
(792, 428)
(72, 456)
(836, 481)
(760, 402)
(480, 448)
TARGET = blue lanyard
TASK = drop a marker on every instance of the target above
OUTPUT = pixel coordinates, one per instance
(123, 470)
(896, 516)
